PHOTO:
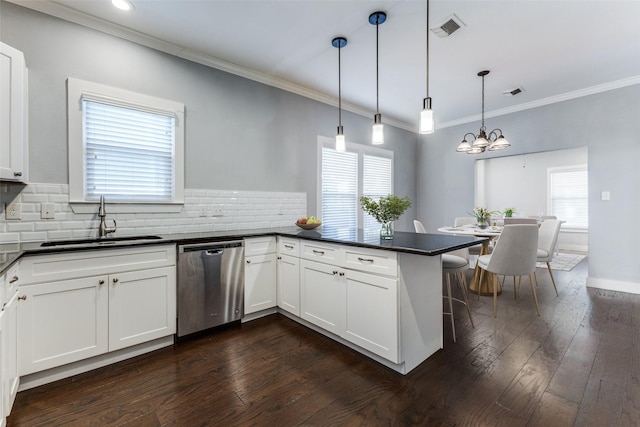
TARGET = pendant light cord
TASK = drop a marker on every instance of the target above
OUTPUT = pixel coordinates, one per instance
(482, 127)
(339, 89)
(427, 51)
(377, 74)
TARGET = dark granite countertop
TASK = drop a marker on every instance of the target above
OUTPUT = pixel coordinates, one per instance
(415, 243)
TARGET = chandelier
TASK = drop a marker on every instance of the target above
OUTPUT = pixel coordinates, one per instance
(492, 141)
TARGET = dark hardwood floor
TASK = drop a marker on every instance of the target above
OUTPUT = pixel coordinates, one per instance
(577, 364)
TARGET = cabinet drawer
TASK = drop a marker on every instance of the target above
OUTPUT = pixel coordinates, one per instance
(371, 260)
(51, 267)
(288, 246)
(321, 252)
(260, 245)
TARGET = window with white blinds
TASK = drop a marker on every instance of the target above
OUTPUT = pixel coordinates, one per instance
(125, 146)
(376, 183)
(345, 176)
(128, 154)
(339, 188)
(569, 196)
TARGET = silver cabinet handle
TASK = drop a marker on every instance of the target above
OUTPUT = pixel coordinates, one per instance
(279, 257)
(335, 272)
(14, 279)
(248, 261)
(17, 174)
(365, 259)
(341, 273)
(23, 297)
(288, 246)
(115, 280)
(315, 251)
(100, 282)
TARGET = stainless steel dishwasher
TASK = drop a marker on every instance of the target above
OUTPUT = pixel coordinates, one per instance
(210, 285)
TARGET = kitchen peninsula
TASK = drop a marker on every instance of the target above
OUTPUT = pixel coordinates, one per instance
(381, 298)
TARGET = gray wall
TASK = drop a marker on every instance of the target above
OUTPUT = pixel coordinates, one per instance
(240, 135)
(607, 123)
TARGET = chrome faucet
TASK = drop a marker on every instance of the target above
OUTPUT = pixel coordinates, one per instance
(103, 230)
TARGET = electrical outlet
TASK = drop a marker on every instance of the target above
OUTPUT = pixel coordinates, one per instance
(13, 211)
(217, 210)
(47, 211)
(203, 211)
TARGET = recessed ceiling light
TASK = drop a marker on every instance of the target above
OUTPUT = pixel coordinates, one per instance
(122, 4)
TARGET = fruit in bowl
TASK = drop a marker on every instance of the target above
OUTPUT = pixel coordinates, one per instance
(308, 223)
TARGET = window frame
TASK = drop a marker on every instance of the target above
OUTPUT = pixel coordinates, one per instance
(360, 150)
(77, 90)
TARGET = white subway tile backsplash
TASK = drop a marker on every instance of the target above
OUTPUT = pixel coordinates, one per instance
(242, 210)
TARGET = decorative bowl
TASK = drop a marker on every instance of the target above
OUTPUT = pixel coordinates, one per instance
(308, 226)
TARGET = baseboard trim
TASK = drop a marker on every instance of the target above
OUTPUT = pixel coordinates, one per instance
(614, 285)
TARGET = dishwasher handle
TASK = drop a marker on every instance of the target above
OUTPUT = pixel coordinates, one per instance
(211, 252)
(210, 246)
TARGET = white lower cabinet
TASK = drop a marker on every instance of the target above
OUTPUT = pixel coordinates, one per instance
(77, 315)
(372, 313)
(289, 284)
(10, 378)
(259, 283)
(142, 306)
(359, 306)
(323, 296)
(62, 322)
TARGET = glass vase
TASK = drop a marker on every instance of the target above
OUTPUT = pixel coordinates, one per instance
(386, 232)
(483, 224)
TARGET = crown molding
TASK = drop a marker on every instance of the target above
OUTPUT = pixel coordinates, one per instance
(617, 84)
(58, 10)
(63, 12)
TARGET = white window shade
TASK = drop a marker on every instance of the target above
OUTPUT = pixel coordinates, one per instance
(339, 188)
(376, 183)
(128, 153)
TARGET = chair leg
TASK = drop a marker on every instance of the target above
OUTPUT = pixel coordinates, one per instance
(453, 323)
(553, 280)
(535, 297)
(515, 290)
(466, 297)
(495, 301)
(480, 282)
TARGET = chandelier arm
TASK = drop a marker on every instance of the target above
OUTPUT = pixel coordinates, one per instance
(473, 135)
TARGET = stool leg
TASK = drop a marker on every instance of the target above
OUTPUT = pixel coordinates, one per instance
(535, 297)
(466, 297)
(453, 323)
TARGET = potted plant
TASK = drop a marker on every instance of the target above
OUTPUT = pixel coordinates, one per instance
(508, 212)
(483, 216)
(385, 210)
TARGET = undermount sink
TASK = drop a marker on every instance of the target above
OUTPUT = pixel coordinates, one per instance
(103, 241)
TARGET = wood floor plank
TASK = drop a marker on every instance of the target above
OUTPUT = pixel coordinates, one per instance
(576, 364)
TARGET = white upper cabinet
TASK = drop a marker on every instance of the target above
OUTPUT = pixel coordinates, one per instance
(14, 161)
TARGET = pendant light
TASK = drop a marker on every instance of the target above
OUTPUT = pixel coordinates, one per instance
(493, 141)
(341, 144)
(426, 115)
(377, 18)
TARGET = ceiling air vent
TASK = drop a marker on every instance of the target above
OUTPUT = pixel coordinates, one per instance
(448, 27)
(513, 92)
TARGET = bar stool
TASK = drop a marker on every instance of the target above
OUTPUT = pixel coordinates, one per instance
(454, 263)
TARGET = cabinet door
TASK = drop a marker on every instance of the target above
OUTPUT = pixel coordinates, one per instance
(62, 322)
(13, 114)
(322, 291)
(142, 306)
(289, 284)
(259, 283)
(10, 378)
(372, 313)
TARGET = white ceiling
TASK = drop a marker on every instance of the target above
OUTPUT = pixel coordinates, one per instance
(553, 49)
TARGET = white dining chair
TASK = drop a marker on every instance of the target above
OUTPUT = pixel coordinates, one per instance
(515, 254)
(548, 236)
(456, 264)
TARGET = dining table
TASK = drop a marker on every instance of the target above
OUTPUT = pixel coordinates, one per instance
(489, 280)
